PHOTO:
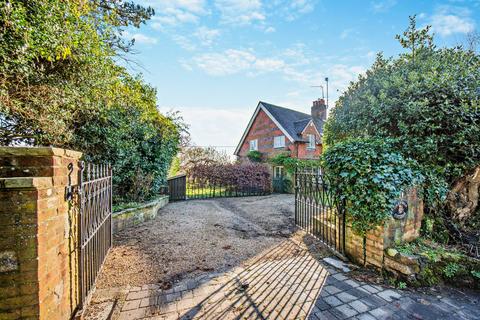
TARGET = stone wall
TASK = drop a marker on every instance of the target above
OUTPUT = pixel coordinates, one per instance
(130, 217)
(37, 234)
(393, 231)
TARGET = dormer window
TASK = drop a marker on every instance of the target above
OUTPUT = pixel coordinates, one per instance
(311, 142)
(279, 142)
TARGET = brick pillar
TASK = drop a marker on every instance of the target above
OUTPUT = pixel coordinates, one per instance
(37, 233)
(392, 232)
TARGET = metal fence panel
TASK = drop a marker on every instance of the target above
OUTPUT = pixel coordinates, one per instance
(318, 210)
(95, 224)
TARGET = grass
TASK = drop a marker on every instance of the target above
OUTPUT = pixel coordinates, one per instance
(196, 192)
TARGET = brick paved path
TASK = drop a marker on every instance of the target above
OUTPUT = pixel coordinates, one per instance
(287, 283)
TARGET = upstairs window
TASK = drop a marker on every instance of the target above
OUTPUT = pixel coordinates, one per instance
(279, 142)
(311, 141)
(254, 145)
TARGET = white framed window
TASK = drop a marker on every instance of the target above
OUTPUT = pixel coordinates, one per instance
(279, 142)
(254, 145)
(278, 171)
(311, 141)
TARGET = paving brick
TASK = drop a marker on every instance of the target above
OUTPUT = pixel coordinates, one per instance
(147, 302)
(325, 315)
(322, 305)
(331, 289)
(380, 313)
(138, 295)
(133, 314)
(340, 276)
(333, 301)
(345, 297)
(370, 289)
(344, 311)
(373, 301)
(130, 305)
(389, 295)
(359, 306)
(352, 283)
(365, 316)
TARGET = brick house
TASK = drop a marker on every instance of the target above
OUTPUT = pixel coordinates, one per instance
(274, 129)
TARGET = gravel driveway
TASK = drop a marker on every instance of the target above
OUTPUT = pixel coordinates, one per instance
(192, 237)
(241, 258)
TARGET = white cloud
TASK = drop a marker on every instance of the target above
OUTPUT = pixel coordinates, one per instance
(229, 62)
(139, 38)
(207, 36)
(240, 12)
(383, 5)
(183, 42)
(226, 130)
(292, 9)
(449, 20)
(176, 12)
(270, 30)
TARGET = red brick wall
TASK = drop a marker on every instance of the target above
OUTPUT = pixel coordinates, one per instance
(382, 237)
(264, 129)
(38, 233)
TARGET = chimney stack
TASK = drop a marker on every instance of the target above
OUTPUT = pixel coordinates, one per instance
(319, 110)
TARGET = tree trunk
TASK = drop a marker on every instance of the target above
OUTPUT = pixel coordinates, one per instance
(462, 200)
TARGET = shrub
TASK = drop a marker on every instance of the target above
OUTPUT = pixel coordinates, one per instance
(254, 156)
(290, 164)
(369, 175)
(241, 176)
(139, 149)
(427, 100)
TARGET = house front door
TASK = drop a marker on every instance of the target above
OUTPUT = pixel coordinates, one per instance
(278, 181)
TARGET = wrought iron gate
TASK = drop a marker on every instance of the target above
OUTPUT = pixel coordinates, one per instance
(94, 224)
(318, 210)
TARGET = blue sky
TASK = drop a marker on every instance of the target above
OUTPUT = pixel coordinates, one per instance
(214, 60)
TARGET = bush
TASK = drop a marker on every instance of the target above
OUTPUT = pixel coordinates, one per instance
(61, 85)
(248, 175)
(254, 156)
(427, 101)
(139, 149)
(369, 175)
(290, 164)
(440, 263)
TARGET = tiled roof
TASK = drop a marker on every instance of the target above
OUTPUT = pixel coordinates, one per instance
(292, 121)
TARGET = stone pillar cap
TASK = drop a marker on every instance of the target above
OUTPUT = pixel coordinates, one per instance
(39, 151)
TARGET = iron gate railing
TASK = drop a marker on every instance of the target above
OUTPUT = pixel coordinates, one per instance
(318, 210)
(185, 187)
(95, 224)
(177, 187)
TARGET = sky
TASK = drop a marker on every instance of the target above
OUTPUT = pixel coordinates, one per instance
(213, 60)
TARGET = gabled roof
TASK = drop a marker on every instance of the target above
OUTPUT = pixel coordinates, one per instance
(290, 122)
(289, 119)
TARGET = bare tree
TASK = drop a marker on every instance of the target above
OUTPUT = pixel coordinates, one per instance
(472, 41)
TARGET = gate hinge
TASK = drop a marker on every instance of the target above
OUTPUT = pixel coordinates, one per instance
(70, 189)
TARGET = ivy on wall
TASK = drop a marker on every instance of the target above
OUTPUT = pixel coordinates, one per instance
(369, 175)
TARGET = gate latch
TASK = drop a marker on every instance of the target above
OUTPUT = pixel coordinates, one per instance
(69, 189)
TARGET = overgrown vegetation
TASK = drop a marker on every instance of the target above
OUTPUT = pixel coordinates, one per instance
(255, 156)
(427, 103)
(60, 85)
(231, 176)
(290, 164)
(191, 156)
(440, 263)
(369, 175)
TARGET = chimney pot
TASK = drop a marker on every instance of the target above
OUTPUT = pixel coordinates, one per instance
(319, 110)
